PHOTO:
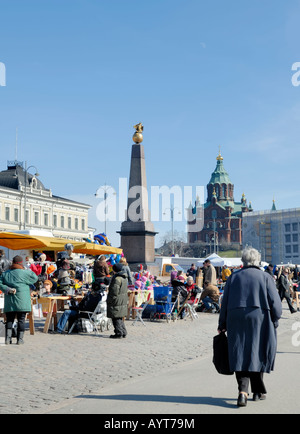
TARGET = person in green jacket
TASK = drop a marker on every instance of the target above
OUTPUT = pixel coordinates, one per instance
(117, 301)
(14, 283)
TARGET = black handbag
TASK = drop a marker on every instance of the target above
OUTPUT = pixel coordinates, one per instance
(220, 354)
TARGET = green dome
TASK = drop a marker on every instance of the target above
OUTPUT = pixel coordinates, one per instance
(220, 176)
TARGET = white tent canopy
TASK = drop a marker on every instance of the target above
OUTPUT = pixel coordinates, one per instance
(233, 262)
(217, 261)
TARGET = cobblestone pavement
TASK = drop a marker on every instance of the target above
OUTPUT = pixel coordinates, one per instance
(50, 368)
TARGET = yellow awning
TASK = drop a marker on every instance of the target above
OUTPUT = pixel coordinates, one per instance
(15, 241)
(95, 249)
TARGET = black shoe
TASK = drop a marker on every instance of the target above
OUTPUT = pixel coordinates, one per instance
(116, 336)
(293, 311)
(242, 400)
(259, 396)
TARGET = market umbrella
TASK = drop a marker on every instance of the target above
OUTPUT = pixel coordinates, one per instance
(15, 241)
(95, 249)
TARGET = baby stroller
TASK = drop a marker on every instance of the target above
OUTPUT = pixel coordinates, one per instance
(96, 320)
(100, 313)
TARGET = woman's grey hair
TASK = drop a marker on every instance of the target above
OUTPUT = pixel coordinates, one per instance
(251, 256)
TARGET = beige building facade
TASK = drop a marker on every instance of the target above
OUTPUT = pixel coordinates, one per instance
(25, 204)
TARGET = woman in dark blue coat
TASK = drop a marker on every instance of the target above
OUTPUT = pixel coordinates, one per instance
(250, 311)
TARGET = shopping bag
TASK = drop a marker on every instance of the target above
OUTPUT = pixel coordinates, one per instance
(84, 326)
(220, 354)
(37, 310)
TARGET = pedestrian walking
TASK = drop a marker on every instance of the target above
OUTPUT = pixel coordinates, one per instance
(250, 312)
(209, 272)
(284, 288)
(117, 301)
(15, 284)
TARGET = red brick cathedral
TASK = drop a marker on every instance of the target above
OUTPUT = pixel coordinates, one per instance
(221, 214)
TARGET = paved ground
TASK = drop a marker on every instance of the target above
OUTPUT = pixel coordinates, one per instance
(160, 368)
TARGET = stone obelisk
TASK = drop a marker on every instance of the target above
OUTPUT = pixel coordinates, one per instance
(137, 231)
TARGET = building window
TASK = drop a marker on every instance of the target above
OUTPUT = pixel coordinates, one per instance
(288, 249)
(55, 221)
(76, 223)
(296, 248)
(69, 222)
(287, 227)
(287, 238)
(27, 216)
(224, 191)
(295, 227)
(16, 214)
(46, 219)
(62, 221)
(295, 238)
(82, 224)
(36, 218)
(7, 213)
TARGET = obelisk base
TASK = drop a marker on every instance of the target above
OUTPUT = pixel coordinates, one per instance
(138, 245)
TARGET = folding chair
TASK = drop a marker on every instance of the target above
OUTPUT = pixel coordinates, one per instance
(183, 306)
(94, 318)
(191, 307)
(139, 310)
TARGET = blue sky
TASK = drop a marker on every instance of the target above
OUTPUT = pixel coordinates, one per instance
(198, 75)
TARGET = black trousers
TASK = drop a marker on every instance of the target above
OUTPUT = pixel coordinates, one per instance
(254, 378)
(283, 295)
(10, 317)
(119, 326)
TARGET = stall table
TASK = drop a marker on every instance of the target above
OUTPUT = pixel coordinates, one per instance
(51, 305)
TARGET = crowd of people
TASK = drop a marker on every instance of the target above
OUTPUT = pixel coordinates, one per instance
(45, 278)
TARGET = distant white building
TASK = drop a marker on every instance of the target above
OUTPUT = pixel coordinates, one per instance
(25, 204)
(276, 234)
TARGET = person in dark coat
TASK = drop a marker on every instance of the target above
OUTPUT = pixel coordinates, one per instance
(250, 311)
(192, 272)
(284, 288)
(117, 301)
(269, 270)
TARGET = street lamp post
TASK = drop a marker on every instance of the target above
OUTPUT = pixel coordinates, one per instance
(172, 209)
(105, 188)
(214, 228)
(25, 191)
